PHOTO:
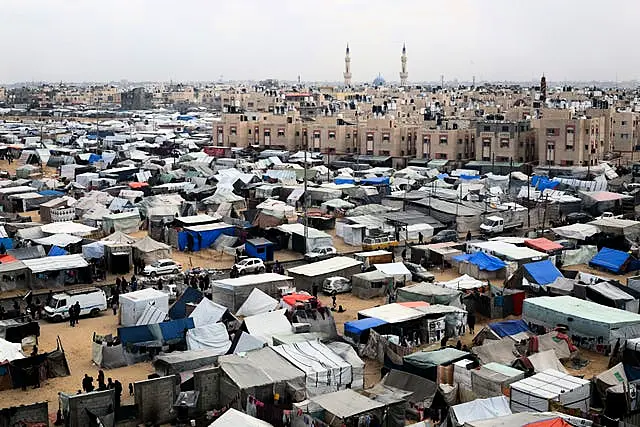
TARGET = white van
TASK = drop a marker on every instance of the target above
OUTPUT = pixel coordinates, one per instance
(92, 301)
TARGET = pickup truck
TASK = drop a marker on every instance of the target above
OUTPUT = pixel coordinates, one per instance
(496, 224)
(607, 215)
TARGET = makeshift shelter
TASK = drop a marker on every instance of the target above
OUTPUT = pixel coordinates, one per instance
(480, 265)
(264, 326)
(493, 379)
(52, 271)
(14, 275)
(615, 261)
(425, 363)
(125, 222)
(358, 330)
(431, 293)
(134, 304)
(107, 352)
(257, 302)
(344, 405)
(208, 312)
(535, 394)
(592, 326)
(516, 330)
(233, 293)
(542, 272)
(371, 284)
(296, 242)
(259, 373)
(199, 237)
(184, 361)
(68, 227)
(576, 231)
(500, 351)
(324, 370)
(309, 275)
(397, 270)
(346, 352)
(234, 418)
(543, 244)
(212, 336)
(479, 409)
(150, 250)
(422, 391)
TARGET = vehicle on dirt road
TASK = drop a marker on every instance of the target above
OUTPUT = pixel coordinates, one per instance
(92, 302)
(162, 266)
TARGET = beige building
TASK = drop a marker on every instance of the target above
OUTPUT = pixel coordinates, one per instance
(505, 141)
(570, 142)
(3, 94)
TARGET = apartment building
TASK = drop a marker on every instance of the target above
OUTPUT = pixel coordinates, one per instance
(570, 142)
(623, 131)
(3, 94)
(505, 141)
(446, 144)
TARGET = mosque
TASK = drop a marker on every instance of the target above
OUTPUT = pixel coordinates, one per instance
(378, 81)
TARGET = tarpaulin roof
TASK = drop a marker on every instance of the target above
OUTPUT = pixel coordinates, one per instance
(213, 336)
(483, 261)
(610, 259)
(207, 312)
(357, 327)
(63, 262)
(392, 313)
(234, 418)
(266, 325)
(542, 272)
(346, 403)
(576, 231)
(68, 228)
(57, 251)
(543, 244)
(481, 409)
(509, 327)
(61, 240)
(429, 359)
(256, 303)
(257, 368)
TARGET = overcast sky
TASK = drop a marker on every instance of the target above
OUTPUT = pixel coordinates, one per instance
(161, 40)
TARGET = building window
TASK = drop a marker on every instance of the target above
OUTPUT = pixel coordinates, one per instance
(385, 137)
(486, 142)
(233, 131)
(442, 156)
(553, 132)
(459, 140)
(487, 128)
(385, 153)
(570, 130)
(280, 132)
(443, 140)
(297, 133)
(624, 135)
(332, 134)
(504, 143)
(505, 128)
(347, 135)
(623, 123)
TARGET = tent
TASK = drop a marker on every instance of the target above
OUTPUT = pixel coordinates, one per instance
(134, 304)
(119, 237)
(106, 353)
(397, 270)
(207, 312)
(151, 316)
(535, 394)
(235, 418)
(370, 284)
(199, 237)
(542, 272)
(346, 351)
(612, 260)
(592, 325)
(425, 363)
(213, 336)
(483, 261)
(264, 326)
(308, 275)
(125, 222)
(324, 370)
(257, 302)
(57, 251)
(233, 293)
(150, 250)
(93, 250)
(259, 373)
(493, 379)
(479, 409)
(345, 404)
(543, 244)
(500, 351)
(576, 231)
(431, 293)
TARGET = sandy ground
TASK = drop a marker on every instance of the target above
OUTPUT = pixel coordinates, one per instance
(77, 346)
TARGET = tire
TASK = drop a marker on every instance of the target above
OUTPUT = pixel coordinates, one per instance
(153, 274)
(94, 312)
(176, 271)
(57, 318)
(261, 270)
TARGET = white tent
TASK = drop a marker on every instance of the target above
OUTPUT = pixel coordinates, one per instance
(69, 227)
(258, 302)
(212, 336)
(235, 418)
(10, 351)
(134, 304)
(207, 312)
(479, 409)
(534, 393)
(396, 269)
(61, 240)
(151, 315)
(264, 326)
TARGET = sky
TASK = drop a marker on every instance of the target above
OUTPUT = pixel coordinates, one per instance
(208, 40)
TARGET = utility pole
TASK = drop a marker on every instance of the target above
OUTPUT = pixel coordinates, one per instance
(306, 214)
(528, 198)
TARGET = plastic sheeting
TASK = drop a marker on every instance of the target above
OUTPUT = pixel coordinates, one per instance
(611, 259)
(582, 255)
(266, 325)
(483, 261)
(93, 250)
(257, 302)
(207, 312)
(213, 336)
(509, 327)
(542, 272)
(479, 409)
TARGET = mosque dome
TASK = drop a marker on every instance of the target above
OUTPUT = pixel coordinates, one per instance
(378, 81)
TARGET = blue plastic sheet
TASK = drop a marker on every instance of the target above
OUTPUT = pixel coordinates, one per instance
(344, 181)
(378, 180)
(57, 251)
(508, 328)
(94, 158)
(611, 260)
(51, 193)
(202, 239)
(542, 183)
(179, 308)
(357, 327)
(483, 261)
(542, 272)
(175, 329)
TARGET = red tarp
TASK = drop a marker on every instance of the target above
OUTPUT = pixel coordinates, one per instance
(293, 299)
(4, 259)
(543, 245)
(554, 422)
(138, 184)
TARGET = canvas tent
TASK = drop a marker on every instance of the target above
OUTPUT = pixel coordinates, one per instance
(257, 302)
(431, 293)
(233, 293)
(371, 284)
(576, 231)
(345, 404)
(479, 409)
(235, 418)
(592, 325)
(134, 304)
(150, 250)
(264, 326)
(213, 336)
(324, 370)
(493, 379)
(308, 275)
(535, 393)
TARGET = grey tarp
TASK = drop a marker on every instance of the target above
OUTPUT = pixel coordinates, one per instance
(582, 255)
(422, 390)
(500, 351)
(109, 357)
(346, 403)
(150, 250)
(347, 352)
(546, 360)
(433, 294)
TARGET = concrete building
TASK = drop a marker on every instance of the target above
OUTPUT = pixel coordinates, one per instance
(570, 142)
(136, 99)
(505, 141)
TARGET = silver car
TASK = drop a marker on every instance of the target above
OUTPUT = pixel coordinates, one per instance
(337, 284)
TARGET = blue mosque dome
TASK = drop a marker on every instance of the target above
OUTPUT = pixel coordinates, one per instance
(378, 81)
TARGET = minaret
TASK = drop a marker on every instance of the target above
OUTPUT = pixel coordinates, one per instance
(543, 88)
(347, 67)
(404, 75)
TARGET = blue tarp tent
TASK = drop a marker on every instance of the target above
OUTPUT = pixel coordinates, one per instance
(542, 183)
(542, 272)
(202, 236)
(611, 260)
(57, 251)
(469, 177)
(51, 193)
(165, 331)
(7, 242)
(344, 180)
(93, 157)
(508, 328)
(377, 180)
(357, 327)
(179, 308)
(482, 260)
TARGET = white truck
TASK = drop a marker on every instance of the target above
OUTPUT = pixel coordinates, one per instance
(496, 224)
(92, 302)
(607, 215)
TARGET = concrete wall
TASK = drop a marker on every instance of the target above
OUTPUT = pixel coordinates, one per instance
(207, 382)
(34, 413)
(99, 403)
(155, 398)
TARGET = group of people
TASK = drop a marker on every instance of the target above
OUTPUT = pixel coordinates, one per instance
(123, 285)
(201, 282)
(87, 386)
(74, 314)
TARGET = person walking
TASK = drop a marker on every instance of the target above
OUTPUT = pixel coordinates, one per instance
(420, 238)
(118, 392)
(77, 312)
(110, 384)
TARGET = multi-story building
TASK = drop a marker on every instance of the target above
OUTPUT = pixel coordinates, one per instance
(136, 99)
(624, 129)
(505, 141)
(3, 94)
(570, 142)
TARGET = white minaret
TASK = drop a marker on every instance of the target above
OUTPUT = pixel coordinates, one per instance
(347, 67)
(404, 75)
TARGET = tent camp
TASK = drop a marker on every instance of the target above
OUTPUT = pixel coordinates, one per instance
(150, 250)
(425, 363)
(324, 370)
(134, 304)
(593, 326)
(235, 418)
(614, 261)
(233, 293)
(257, 302)
(371, 284)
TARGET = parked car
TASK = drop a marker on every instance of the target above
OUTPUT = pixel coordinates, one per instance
(162, 266)
(321, 253)
(445, 236)
(578, 217)
(336, 284)
(250, 265)
(92, 301)
(419, 273)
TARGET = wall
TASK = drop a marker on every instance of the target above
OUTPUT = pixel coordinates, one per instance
(207, 382)
(34, 413)
(98, 403)
(155, 399)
